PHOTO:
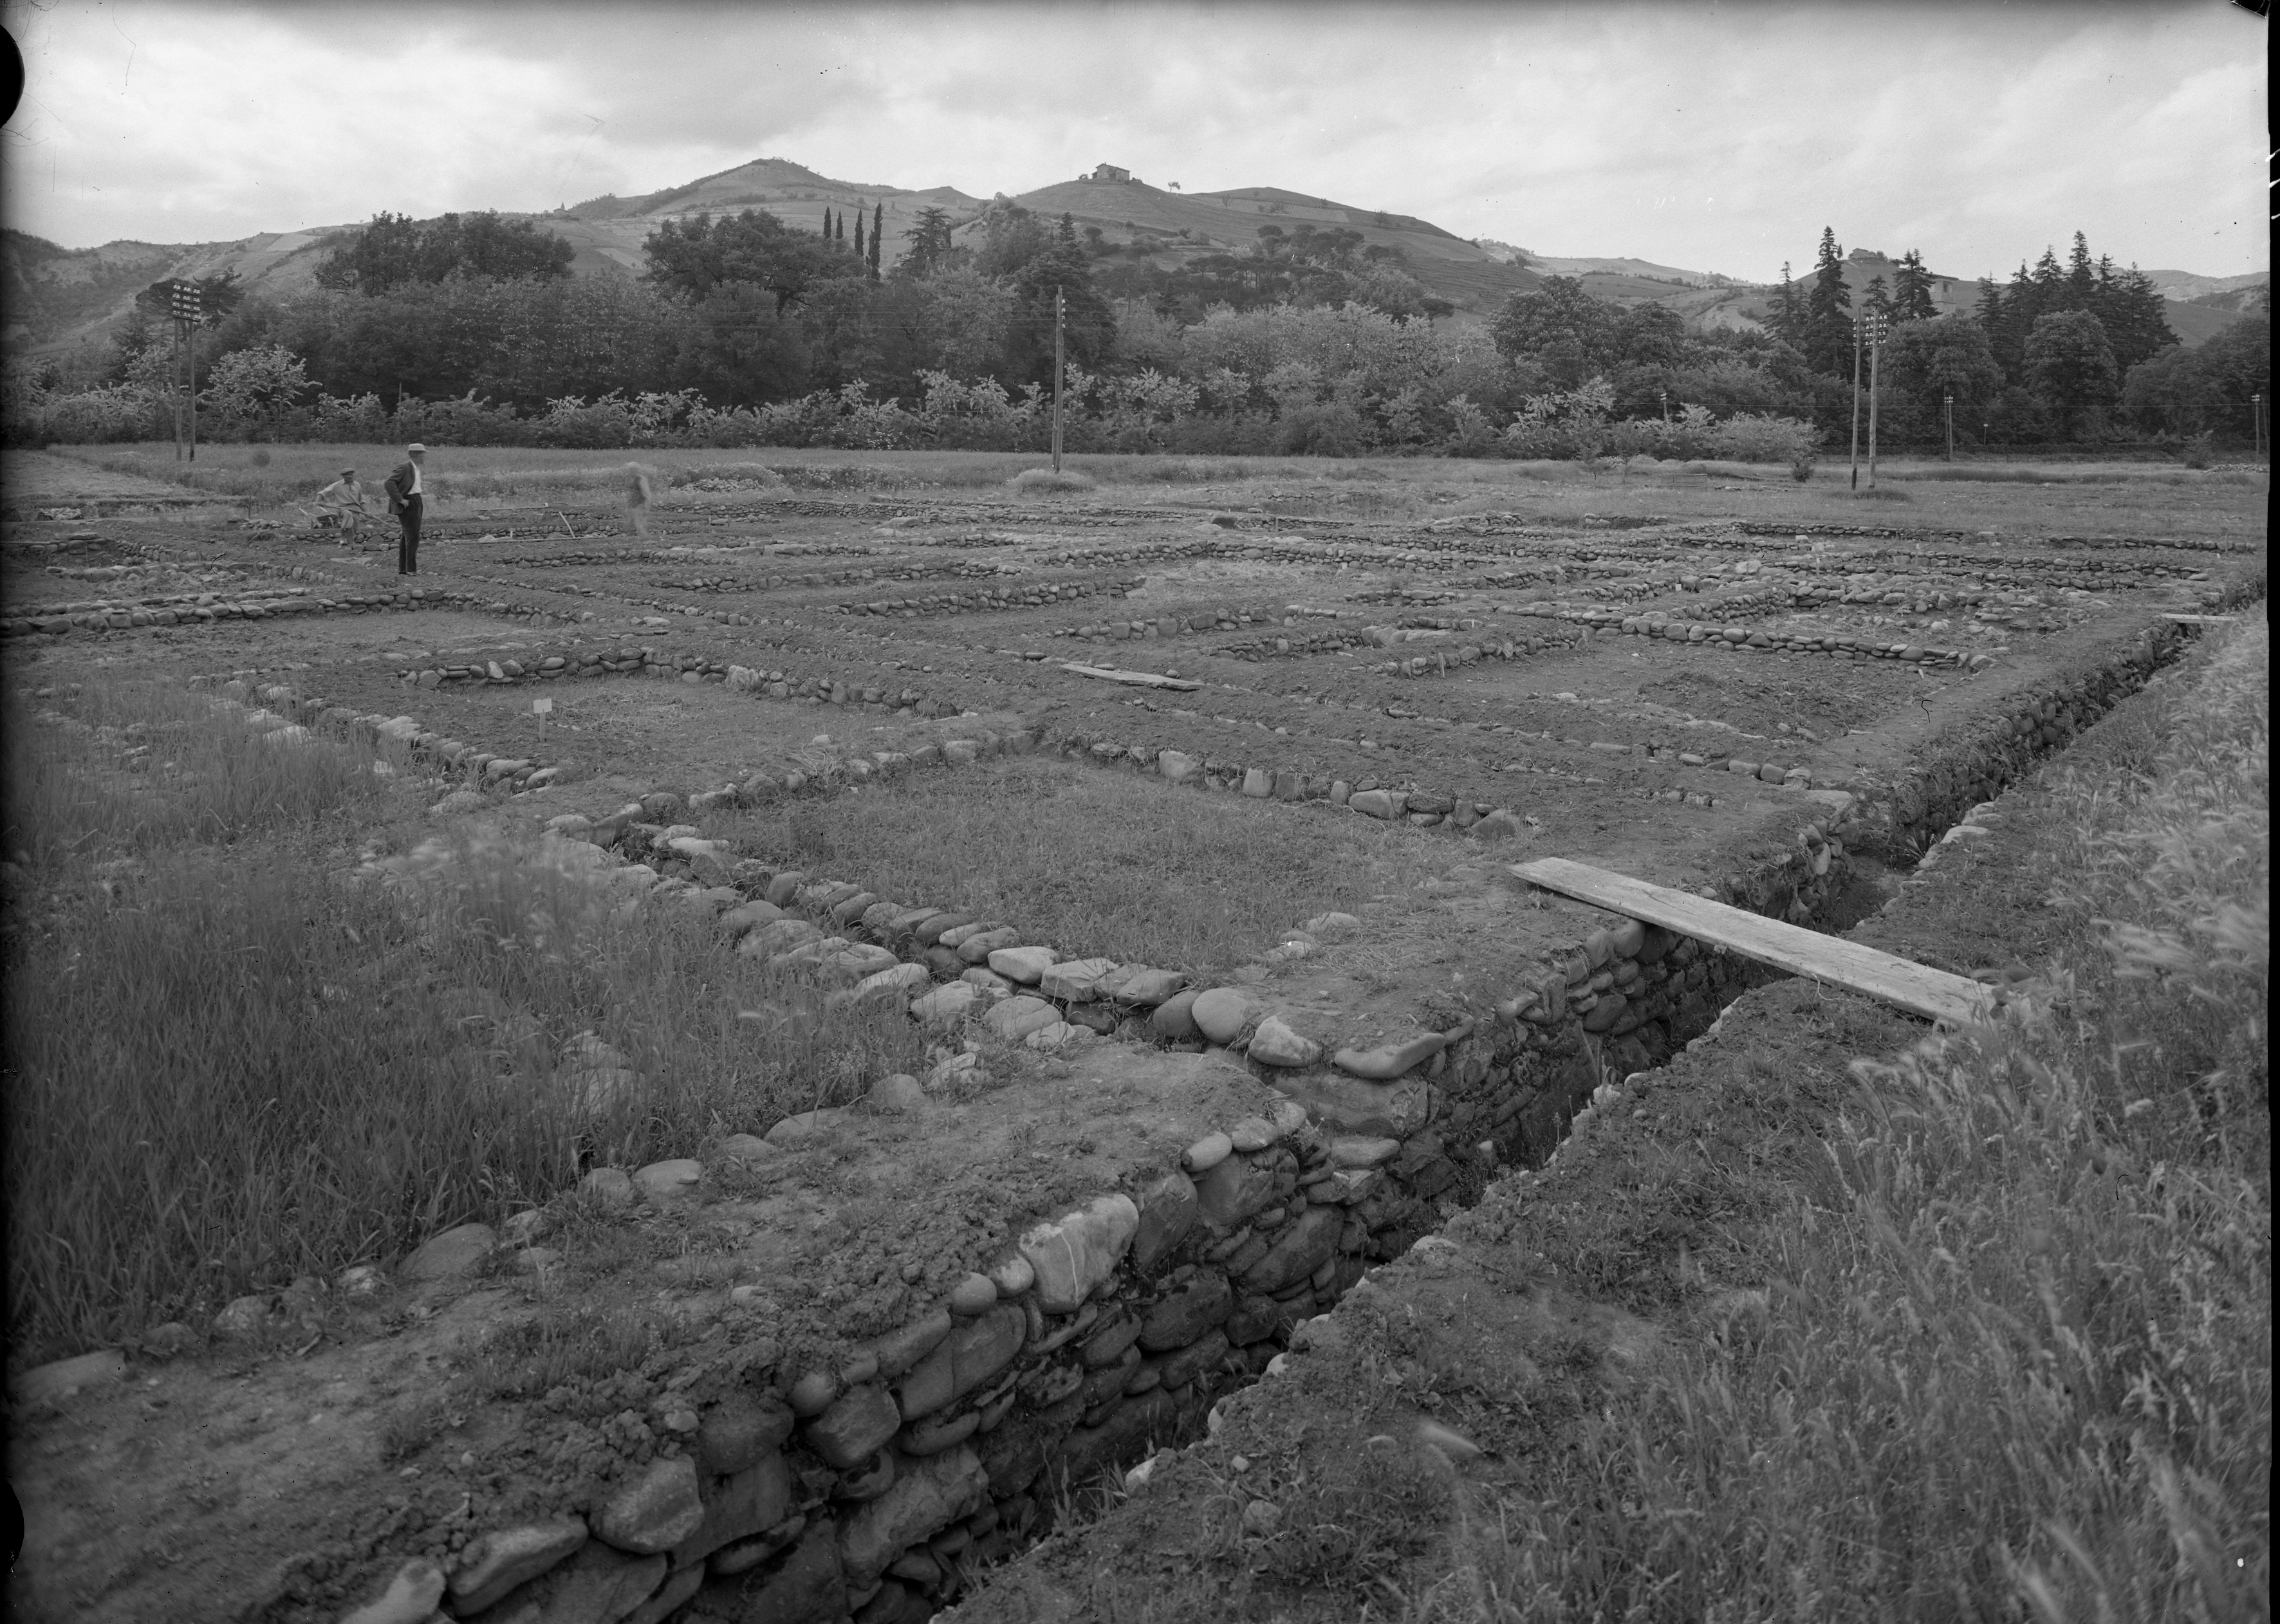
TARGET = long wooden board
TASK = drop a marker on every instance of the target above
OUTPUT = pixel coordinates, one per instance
(1955, 999)
(2199, 619)
(1136, 679)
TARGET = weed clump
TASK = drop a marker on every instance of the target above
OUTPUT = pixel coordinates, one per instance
(1029, 481)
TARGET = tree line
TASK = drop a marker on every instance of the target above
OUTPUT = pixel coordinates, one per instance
(2079, 351)
(745, 329)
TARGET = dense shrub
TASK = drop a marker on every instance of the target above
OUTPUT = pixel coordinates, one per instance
(1294, 408)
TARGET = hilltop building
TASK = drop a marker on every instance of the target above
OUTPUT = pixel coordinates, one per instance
(1110, 172)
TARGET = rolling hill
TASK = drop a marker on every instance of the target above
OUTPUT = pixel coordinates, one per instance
(56, 297)
(1188, 223)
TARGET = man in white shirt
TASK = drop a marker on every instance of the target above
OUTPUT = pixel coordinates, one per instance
(406, 499)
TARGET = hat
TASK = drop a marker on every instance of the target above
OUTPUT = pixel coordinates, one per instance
(347, 473)
(415, 446)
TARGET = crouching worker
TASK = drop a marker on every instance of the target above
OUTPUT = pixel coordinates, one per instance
(341, 505)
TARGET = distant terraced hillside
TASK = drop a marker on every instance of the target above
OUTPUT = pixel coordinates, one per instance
(56, 296)
(1473, 279)
(59, 296)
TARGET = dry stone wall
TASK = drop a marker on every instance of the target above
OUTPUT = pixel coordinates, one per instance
(207, 608)
(878, 1478)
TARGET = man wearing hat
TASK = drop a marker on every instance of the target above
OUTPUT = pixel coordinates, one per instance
(342, 501)
(406, 499)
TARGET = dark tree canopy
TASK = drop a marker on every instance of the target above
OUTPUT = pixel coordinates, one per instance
(932, 249)
(695, 257)
(1088, 324)
(2126, 302)
(395, 249)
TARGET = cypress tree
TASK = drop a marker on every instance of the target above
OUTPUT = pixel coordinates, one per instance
(2129, 308)
(1875, 301)
(1787, 316)
(878, 230)
(2022, 301)
(826, 225)
(1828, 311)
(2082, 282)
(2051, 286)
(1911, 299)
(858, 237)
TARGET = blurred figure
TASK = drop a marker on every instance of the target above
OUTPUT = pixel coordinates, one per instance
(342, 501)
(639, 497)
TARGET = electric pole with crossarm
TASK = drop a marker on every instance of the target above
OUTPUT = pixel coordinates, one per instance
(186, 304)
(1060, 309)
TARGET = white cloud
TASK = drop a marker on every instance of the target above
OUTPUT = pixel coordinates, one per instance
(1719, 138)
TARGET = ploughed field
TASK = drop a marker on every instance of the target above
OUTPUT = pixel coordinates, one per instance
(1273, 740)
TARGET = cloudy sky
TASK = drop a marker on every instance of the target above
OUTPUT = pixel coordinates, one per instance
(1707, 136)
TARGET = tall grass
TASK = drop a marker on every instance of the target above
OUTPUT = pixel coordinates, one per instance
(125, 767)
(2042, 474)
(2020, 1366)
(235, 1062)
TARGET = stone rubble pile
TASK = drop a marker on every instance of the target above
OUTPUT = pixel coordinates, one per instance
(206, 608)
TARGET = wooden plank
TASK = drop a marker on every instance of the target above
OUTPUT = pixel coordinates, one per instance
(1136, 679)
(2199, 619)
(1955, 999)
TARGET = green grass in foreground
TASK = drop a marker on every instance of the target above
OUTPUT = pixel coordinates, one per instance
(228, 1064)
(1093, 862)
(2020, 1367)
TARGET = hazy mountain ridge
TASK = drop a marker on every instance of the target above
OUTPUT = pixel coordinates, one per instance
(57, 295)
(2189, 285)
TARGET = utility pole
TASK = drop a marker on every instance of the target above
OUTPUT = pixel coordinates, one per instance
(2256, 404)
(186, 305)
(1876, 353)
(1948, 402)
(1664, 395)
(174, 386)
(1857, 325)
(1060, 309)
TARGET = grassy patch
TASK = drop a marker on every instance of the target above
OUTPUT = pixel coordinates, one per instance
(232, 1061)
(2038, 474)
(126, 767)
(566, 1343)
(1095, 862)
(2015, 1359)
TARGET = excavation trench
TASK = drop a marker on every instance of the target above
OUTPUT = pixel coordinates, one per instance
(757, 1466)
(1847, 864)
